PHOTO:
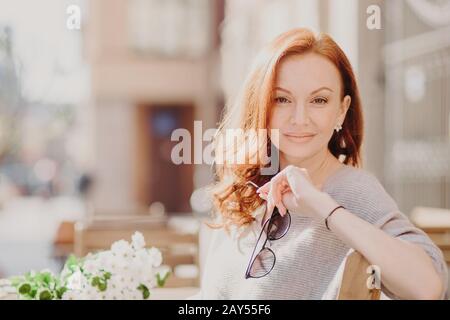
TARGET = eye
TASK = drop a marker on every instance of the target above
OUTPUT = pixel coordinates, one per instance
(281, 100)
(320, 100)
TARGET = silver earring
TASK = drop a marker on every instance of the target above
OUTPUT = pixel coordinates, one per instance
(338, 128)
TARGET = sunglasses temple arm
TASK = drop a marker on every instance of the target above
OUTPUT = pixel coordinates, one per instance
(256, 245)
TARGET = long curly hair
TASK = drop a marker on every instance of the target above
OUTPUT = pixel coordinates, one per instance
(235, 199)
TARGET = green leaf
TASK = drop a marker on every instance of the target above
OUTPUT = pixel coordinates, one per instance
(95, 281)
(107, 275)
(60, 292)
(72, 263)
(44, 294)
(161, 281)
(33, 292)
(39, 278)
(24, 288)
(102, 286)
(72, 260)
(145, 291)
(47, 277)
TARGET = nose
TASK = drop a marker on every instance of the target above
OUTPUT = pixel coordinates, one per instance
(300, 114)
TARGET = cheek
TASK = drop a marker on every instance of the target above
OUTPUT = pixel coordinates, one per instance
(278, 118)
(324, 121)
(276, 122)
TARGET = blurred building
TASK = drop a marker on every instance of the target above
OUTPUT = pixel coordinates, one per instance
(417, 102)
(154, 68)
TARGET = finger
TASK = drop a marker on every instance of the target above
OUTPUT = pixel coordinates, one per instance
(281, 208)
(263, 196)
(275, 193)
(294, 178)
(270, 207)
(271, 195)
(290, 203)
(265, 188)
(285, 187)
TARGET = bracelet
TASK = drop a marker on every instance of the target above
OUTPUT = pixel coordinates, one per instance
(329, 215)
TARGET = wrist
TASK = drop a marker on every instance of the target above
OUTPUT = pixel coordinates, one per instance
(322, 204)
(330, 216)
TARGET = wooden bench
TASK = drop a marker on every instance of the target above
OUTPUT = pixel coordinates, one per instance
(354, 280)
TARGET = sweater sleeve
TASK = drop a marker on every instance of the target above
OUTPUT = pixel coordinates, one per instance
(398, 225)
(364, 196)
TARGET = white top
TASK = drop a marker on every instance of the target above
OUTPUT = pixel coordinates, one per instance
(309, 258)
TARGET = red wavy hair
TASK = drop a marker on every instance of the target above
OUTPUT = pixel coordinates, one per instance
(234, 198)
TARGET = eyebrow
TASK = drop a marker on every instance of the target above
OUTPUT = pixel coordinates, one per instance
(315, 91)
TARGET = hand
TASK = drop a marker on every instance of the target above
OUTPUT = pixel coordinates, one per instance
(291, 189)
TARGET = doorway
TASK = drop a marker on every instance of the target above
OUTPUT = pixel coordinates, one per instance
(158, 178)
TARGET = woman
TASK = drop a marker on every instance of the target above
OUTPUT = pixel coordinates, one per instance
(303, 87)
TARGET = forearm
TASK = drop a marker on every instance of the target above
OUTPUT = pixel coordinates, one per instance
(406, 270)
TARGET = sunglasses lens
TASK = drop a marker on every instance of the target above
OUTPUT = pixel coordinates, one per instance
(279, 226)
(263, 263)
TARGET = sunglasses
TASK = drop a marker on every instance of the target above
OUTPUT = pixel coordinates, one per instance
(276, 228)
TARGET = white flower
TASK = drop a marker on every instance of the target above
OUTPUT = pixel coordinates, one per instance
(114, 294)
(87, 293)
(93, 293)
(118, 283)
(144, 261)
(92, 266)
(99, 295)
(76, 281)
(66, 272)
(132, 280)
(132, 294)
(112, 263)
(129, 266)
(155, 257)
(104, 256)
(137, 265)
(137, 241)
(71, 295)
(120, 265)
(107, 261)
(120, 280)
(151, 282)
(121, 249)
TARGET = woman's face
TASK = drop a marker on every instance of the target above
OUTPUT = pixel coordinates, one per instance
(307, 105)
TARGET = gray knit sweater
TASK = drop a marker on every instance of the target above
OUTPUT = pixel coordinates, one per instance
(309, 258)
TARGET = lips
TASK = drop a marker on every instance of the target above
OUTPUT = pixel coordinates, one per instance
(299, 138)
(297, 135)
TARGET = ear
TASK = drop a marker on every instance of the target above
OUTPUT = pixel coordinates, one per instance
(345, 104)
